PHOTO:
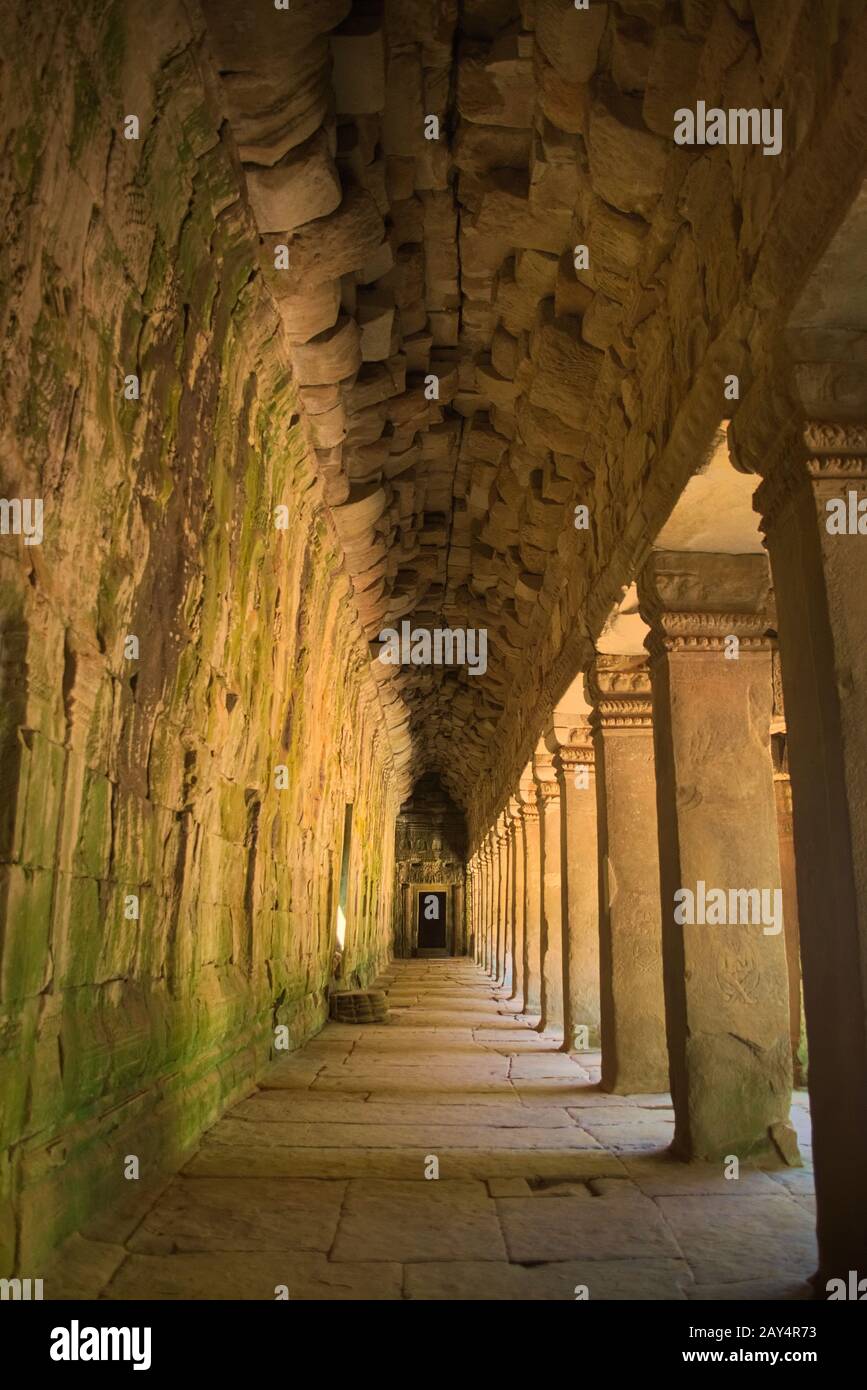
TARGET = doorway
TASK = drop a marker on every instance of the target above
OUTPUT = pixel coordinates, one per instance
(431, 920)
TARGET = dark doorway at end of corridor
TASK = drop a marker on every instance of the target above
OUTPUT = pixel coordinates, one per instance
(431, 922)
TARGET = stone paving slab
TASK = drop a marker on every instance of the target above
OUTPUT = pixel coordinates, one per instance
(443, 1220)
(603, 1115)
(253, 1276)
(417, 1093)
(332, 1108)
(632, 1137)
(659, 1176)
(430, 1137)
(798, 1181)
(585, 1227)
(419, 1079)
(256, 1160)
(743, 1239)
(604, 1279)
(563, 1090)
(756, 1291)
(218, 1214)
(404, 1040)
(82, 1268)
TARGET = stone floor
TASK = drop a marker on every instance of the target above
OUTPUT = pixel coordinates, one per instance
(317, 1180)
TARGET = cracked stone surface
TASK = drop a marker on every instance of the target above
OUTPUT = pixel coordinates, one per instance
(323, 1189)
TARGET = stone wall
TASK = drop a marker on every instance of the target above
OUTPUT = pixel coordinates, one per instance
(199, 778)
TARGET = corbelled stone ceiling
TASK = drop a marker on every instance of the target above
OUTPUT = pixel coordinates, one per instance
(500, 278)
(411, 257)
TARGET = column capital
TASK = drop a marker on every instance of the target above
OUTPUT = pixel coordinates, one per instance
(576, 750)
(528, 796)
(694, 601)
(545, 774)
(621, 692)
(822, 455)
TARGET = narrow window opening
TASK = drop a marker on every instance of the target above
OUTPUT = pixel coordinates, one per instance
(344, 878)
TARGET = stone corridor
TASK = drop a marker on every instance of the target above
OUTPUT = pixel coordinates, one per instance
(433, 529)
(317, 1182)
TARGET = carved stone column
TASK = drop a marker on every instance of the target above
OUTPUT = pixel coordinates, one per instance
(726, 981)
(822, 625)
(788, 879)
(576, 770)
(481, 890)
(484, 903)
(519, 900)
(502, 900)
(471, 907)
(493, 901)
(632, 1008)
(460, 927)
(548, 791)
(509, 935)
(532, 900)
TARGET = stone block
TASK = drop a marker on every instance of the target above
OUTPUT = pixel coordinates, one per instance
(331, 246)
(359, 66)
(331, 356)
(304, 185)
(570, 38)
(627, 161)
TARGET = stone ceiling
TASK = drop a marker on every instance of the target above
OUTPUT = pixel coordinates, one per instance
(408, 257)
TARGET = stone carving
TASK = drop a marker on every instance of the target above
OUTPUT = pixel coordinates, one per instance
(621, 692)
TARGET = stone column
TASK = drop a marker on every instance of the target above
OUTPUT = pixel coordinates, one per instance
(509, 937)
(502, 849)
(495, 900)
(519, 904)
(726, 983)
(472, 883)
(822, 623)
(460, 931)
(788, 879)
(576, 771)
(532, 901)
(789, 882)
(632, 1008)
(489, 902)
(548, 791)
(481, 893)
(477, 908)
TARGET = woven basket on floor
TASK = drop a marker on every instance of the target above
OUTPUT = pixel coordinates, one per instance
(359, 1006)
